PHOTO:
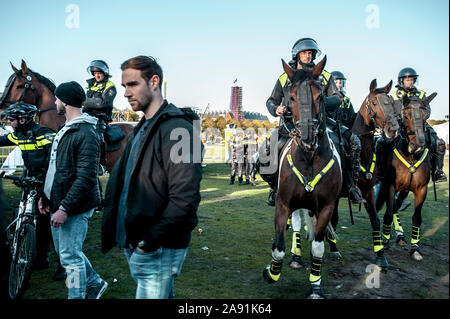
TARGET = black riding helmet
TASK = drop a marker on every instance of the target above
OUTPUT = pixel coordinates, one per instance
(305, 44)
(405, 73)
(20, 110)
(338, 75)
(98, 66)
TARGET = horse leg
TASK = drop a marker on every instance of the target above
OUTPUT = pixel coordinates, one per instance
(378, 247)
(272, 272)
(296, 261)
(317, 250)
(334, 251)
(419, 199)
(400, 237)
(388, 216)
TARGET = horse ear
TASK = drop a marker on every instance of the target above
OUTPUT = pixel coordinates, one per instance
(24, 68)
(13, 67)
(388, 87)
(428, 99)
(289, 71)
(373, 86)
(317, 69)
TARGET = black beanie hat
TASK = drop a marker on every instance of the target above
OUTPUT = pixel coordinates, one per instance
(70, 93)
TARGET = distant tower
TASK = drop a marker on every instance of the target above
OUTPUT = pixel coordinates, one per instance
(236, 102)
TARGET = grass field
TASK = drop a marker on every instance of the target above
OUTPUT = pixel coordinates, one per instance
(227, 259)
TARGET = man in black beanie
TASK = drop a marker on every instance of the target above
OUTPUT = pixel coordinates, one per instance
(71, 190)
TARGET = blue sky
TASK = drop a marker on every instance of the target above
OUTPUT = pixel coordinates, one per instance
(203, 46)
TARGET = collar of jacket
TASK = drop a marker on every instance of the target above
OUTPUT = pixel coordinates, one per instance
(27, 127)
(92, 81)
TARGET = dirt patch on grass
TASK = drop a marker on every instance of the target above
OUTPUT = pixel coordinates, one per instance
(355, 277)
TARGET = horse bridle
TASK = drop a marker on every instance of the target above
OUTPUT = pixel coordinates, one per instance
(382, 102)
(418, 122)
(307, 127)
(28, 85)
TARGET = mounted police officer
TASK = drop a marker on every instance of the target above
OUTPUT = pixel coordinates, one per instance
(407, 77)
(304, 52)
(35, 143)
(345, 113)
(251, 148)
(99, 98)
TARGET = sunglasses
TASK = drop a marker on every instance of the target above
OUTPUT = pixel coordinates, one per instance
(11, 119)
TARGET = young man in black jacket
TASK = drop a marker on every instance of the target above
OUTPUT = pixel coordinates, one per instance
(72, 192)
(153, 192)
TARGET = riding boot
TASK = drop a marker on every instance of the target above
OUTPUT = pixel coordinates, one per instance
(231, 180)
(439, 175)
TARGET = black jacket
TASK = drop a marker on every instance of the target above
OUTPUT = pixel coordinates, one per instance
(163, 196)
(75, 184)
(35, 142)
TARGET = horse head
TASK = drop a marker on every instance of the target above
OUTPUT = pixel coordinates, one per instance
(306, 98)
(27, 86)
(414, 115)
(378, 110)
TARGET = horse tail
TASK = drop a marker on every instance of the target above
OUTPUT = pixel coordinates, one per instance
(311, 222)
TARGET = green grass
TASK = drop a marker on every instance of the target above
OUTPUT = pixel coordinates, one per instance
(238, 231)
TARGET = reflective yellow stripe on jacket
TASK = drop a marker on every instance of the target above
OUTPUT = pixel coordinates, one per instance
(29, 145)
(98, 87)
(397, 94)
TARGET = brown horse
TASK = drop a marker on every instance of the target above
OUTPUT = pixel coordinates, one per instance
(376, 112)
(409, 169)
(30, 87)
(309, 151)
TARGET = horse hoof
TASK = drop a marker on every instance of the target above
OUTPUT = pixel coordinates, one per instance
(336, 255)
(315, 292)
(296, 262)
(401, 241)
(267, 277)
(416, 256)
(382, 263)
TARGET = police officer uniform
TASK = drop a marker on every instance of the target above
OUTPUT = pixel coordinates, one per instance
(333, 99)
(35, 143)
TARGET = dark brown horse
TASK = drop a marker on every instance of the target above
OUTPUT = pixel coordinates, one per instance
(30, 87)
(310, 175)
(409, 169)
(376, 112)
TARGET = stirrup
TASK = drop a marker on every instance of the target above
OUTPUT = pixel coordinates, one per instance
(271, 198)
(355, 195)
(439, 177)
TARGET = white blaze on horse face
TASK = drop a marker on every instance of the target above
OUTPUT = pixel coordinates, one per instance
(317, 248)
(296, 221)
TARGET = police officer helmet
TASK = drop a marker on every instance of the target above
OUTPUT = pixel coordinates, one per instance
(20, 110)
(407, 72)
(98, 66)
(305, 44)
(338, 75)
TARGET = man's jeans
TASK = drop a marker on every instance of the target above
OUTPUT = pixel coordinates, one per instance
(68, 240)
(155, 272)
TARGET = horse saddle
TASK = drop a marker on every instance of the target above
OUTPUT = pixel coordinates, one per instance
(113, 136)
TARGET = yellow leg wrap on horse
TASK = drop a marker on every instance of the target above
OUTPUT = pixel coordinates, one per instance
(386, 231)
(415, 235)
(316, 266)
(397, 225)
(296, 244)
(275, 269)
(289, 220)
(377, 242)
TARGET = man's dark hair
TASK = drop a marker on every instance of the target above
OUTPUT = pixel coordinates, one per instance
(147, 65)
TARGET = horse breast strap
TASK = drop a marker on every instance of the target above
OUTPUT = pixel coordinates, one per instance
(369, 174)
(412, 168)
(309, 184)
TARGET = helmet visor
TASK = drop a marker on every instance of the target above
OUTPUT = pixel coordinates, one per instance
(340, 84)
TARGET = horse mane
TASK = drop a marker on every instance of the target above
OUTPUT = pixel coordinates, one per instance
(46, 81)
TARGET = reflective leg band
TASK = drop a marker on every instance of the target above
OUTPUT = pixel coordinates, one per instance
(415, 235)
(377, 242)
(275, 269)
(296, 244)
(397, 225)
(386, 231)
(316, 265)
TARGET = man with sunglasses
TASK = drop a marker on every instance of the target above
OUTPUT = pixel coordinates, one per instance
(35, 142)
